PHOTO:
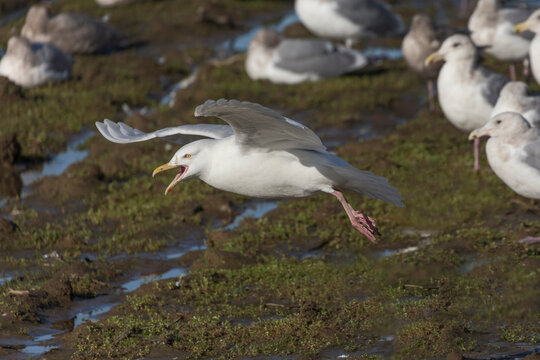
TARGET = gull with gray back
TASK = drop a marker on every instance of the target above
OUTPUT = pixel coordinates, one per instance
(261, 154)
(292, 61)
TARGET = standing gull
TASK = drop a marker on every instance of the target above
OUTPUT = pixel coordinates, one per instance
(513, 152)
(492, 28)
(72, 33)
(422, 40)
(349, 20)
(292, 61)
(533, 24)
(467, 91)
(515, 97)
(260, 154)
(29, 65)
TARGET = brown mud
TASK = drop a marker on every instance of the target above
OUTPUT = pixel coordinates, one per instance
(96, 263)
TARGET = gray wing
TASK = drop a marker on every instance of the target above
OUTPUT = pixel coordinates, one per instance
(532, 153)
(257, 126)
(317, 57)
(374, 16)
(123, 134)
(49, 54)
(81, 33)
(492, 85)
(515, 16)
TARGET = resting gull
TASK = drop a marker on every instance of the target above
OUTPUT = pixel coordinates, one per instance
(513, 152)
(260, 154)
(349, 20)
(492, 28)
(467, 91)
(292, 61)
(533, 24)
(29, 65)
(422, 40)
(515, 97)
(72, 33)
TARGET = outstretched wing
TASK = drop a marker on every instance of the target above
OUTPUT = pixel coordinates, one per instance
(257, 126)
(124, 134)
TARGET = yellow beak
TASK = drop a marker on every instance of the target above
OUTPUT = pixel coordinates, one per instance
(162, 168)
(433, 58)
(521, 27)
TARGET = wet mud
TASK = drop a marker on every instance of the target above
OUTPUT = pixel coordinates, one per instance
(95, 262)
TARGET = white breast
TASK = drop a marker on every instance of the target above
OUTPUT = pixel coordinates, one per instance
(505, 160)
(461, 99)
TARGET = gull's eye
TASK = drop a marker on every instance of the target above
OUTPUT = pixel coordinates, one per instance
(498, 122)
(187, 156)
(455, 44)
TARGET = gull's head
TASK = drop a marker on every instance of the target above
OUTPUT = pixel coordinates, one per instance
(266, 38)
(421, 22)
(36, 20)
(189, 162)
(531, 24)
(18, 45)
(456, 47)
(514, 89)
(503, 125)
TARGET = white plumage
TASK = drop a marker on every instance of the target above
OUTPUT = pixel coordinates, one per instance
(261, 154)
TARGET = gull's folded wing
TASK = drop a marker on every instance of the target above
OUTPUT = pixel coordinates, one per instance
(124, 134)
(257, 126)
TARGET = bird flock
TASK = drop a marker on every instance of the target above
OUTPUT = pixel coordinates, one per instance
(261, 153)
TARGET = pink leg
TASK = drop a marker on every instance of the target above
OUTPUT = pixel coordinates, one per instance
(431, 94)
(526, 69)
(530, 240)
(359, 221)
(476, 154)
(512, 72)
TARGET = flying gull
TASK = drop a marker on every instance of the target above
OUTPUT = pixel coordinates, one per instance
(260, 154)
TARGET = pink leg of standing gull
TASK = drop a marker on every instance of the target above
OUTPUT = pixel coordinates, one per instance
(476, 154)
(359, 221)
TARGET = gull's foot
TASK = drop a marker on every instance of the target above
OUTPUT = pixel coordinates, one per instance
(529, 240)
(365, 225)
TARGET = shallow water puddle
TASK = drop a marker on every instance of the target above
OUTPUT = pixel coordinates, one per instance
(58, 163)
(255, 210)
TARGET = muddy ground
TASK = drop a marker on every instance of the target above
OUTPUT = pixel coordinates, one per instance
(97, 263)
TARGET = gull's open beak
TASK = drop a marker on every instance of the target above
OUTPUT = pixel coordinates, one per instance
(433, 58)
(478, 133)
(183, 170)
(521, 27)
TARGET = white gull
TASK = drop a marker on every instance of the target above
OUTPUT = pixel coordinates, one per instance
(260, 154)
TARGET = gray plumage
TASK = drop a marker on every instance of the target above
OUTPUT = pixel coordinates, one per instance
(293, 61)
(515, 97)
(493, 84)
(314, 56)
(32, 64)
(259, 126)
(422, 39)
(375, 17)
(513, 152)
(491, 27)
(72, 33)
(124, 134)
